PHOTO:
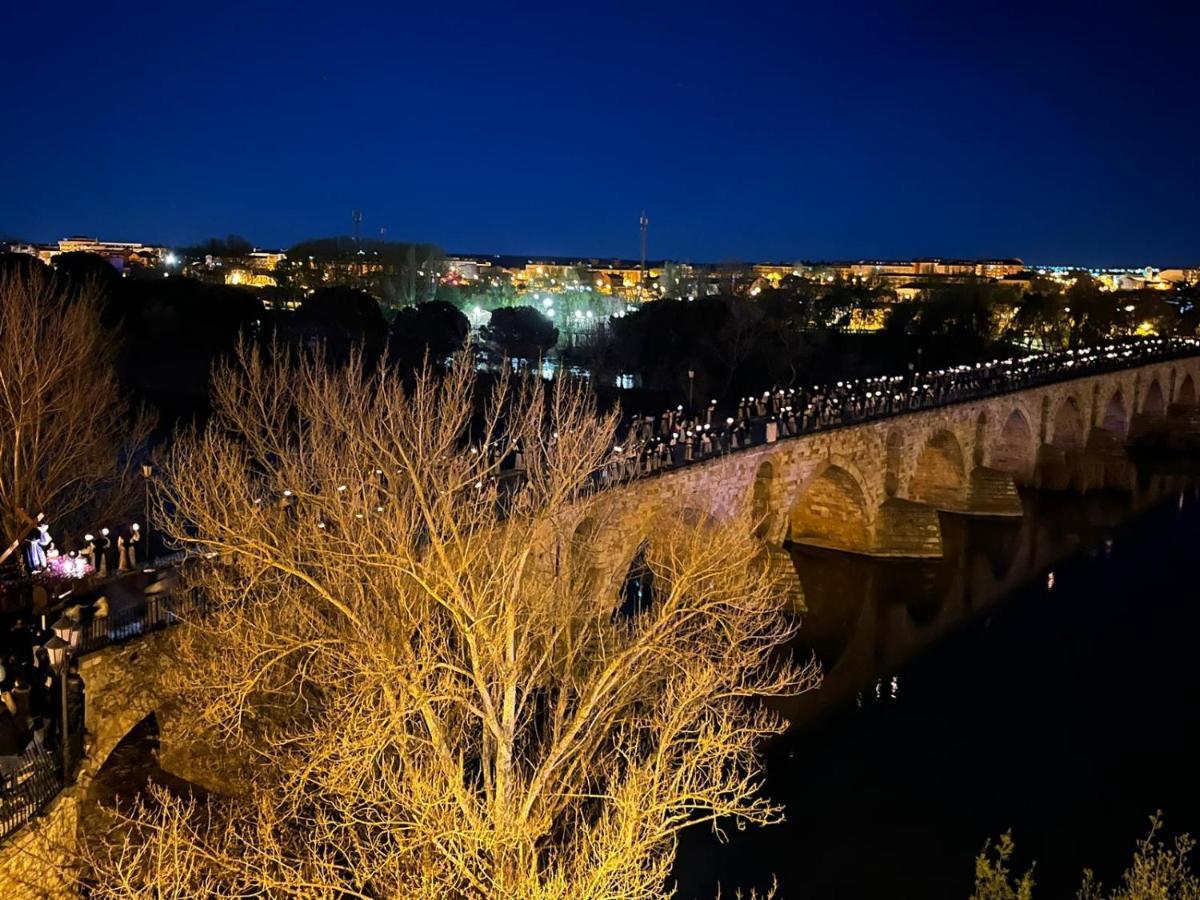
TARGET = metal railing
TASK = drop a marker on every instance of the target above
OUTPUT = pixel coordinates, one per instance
(28, 782)
(153, 613)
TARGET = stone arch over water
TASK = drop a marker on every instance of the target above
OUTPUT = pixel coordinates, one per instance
(1068, 433)
(637, 587)
(1186, 395)
(940, 477)
(1015, 447)
(1153, 403)
(1115, 418)
(832, 511)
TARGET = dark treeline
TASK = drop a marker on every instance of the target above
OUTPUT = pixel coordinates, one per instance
(172, 329)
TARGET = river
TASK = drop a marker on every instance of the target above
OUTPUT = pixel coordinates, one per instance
(1040, 677)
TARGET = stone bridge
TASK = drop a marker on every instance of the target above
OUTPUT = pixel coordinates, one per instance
(876, 488)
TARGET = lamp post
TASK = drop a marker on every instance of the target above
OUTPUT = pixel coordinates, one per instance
(59, 653)
(147, 474)
(691, 385)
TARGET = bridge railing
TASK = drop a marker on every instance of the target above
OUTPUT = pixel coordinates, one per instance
(151, 613)
(29, 782)
(796, 412)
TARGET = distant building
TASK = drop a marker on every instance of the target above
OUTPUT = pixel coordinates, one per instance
(1180, 276)
(896, 272)
(120, 254)
(464, 268)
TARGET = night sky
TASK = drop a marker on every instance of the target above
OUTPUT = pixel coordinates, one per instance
(745, 130)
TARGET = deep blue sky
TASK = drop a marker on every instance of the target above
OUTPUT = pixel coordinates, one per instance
(746, 130)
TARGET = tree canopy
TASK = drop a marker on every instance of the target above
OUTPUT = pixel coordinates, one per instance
(520, 332)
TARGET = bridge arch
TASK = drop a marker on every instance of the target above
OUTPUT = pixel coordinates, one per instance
(1015, 448)
(637, 587)
(940, 476)
(1186, 395)
(831, 511)
(1153, 403)
(1115, 417)
(1068, 431)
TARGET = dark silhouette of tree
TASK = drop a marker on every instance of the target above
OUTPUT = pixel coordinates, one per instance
(520, 332)
(173, 329)
(437, 328)
(22, 264)
(79, 270)
(339, 318)
(229, 246)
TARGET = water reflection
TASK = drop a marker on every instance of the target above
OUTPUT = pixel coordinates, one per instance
(866, 618)
(988, 690)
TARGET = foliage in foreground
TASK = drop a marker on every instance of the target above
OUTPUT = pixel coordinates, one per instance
(420, 667)
(1159, 871)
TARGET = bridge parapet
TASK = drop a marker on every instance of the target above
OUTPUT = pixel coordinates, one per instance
(877, 487)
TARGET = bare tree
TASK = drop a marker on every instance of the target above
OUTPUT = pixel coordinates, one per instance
(66, 434)
(426, 687)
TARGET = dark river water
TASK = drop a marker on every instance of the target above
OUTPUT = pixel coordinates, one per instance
(1040, 678)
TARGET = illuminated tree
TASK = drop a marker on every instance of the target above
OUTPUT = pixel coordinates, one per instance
(66, 434)
(426, 685)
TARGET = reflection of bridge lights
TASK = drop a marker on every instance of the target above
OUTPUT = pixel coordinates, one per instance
(1050, 581)
(895, 686)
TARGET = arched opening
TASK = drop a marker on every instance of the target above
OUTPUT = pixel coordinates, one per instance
(637, 591)
(1068, 426)
(1115, 420)
(832, 512)
(1186, 395)
(132, 765)
(981, 425)
(1153, 403)
(1014, 450)
(760, 501)
(895, 451)
(940, 478)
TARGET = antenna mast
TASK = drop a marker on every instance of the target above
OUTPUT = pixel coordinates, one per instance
(644, 224)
